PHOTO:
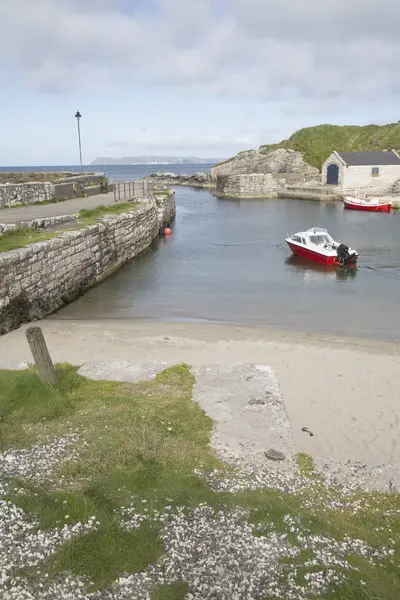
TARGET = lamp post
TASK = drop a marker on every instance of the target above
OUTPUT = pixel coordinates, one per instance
(78, 117)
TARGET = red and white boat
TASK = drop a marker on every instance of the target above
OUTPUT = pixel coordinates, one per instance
(317, 245)
(370, 204)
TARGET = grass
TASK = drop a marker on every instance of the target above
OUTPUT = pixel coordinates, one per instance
(162, 192)
(89, 216)
(21, 237)
(54, 200)
(175, 591)
(143, 442)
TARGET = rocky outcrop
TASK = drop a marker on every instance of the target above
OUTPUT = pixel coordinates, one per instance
(394, 188)
(280, 161)
(192, 180)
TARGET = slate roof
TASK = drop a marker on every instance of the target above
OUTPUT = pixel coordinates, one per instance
(369, 158)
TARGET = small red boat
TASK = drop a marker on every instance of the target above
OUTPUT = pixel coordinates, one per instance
(370, 204)
(317, 245)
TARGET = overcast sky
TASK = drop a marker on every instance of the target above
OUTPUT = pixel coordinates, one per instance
(189, 77)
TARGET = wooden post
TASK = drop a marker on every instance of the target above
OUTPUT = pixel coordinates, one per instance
(41, 355)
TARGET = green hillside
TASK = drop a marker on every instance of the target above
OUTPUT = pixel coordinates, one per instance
(317, 143)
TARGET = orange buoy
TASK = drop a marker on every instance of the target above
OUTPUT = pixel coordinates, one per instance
(167, 231)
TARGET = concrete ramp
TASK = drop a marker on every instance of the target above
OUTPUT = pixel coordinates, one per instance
(246, 405)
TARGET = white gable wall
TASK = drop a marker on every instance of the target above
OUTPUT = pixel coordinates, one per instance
(332, 160)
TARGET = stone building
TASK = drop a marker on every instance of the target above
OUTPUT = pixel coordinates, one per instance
(369, 172)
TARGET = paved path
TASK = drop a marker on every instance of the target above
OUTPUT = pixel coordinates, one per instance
(67, 207)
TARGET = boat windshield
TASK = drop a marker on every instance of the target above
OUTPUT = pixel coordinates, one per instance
(320, 240)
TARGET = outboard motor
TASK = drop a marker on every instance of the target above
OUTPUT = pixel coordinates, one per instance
(344, 255)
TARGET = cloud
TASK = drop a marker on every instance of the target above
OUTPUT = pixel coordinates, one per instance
(316, 49)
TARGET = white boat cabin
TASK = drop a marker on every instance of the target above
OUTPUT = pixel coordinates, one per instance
(315, 237)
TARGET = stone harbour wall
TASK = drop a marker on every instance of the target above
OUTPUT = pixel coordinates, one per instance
(39, 279)
(12, 194)
(166, 208)
(248, 186)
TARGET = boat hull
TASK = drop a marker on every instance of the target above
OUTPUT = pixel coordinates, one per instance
(311, 255)
(316, 256)
(367, 207)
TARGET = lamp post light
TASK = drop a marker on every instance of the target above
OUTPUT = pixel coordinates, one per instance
(78, 117)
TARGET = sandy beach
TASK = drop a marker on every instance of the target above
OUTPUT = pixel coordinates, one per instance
(345, 391)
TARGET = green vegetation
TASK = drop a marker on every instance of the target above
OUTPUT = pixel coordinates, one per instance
(18, 238)
(91, 215)
(54, 200)
(21, 237)
(143, 442)
(317, 143)
(162, 192)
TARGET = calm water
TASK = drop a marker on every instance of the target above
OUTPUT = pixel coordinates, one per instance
(222, 264)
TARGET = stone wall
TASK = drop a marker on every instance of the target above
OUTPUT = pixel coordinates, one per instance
(12, 194)
(248, 186)
(39, 279)
(166, 208)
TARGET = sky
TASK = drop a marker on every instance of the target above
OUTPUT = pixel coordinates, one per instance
(205, 78)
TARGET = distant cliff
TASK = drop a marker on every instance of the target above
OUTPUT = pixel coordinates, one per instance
(155, 160)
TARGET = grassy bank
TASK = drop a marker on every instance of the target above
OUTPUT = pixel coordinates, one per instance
(21, 237)
(317, 143)
(139, 445)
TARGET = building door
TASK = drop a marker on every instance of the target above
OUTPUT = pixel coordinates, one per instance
(332, 176)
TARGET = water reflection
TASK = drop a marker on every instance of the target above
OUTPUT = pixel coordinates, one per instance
(310, 270)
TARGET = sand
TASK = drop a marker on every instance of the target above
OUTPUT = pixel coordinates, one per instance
(345, 391)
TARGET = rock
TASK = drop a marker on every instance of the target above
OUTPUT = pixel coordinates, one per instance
(254, 400)
(282, 160)
(274, 454)
(193, 180)
(395, 187)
